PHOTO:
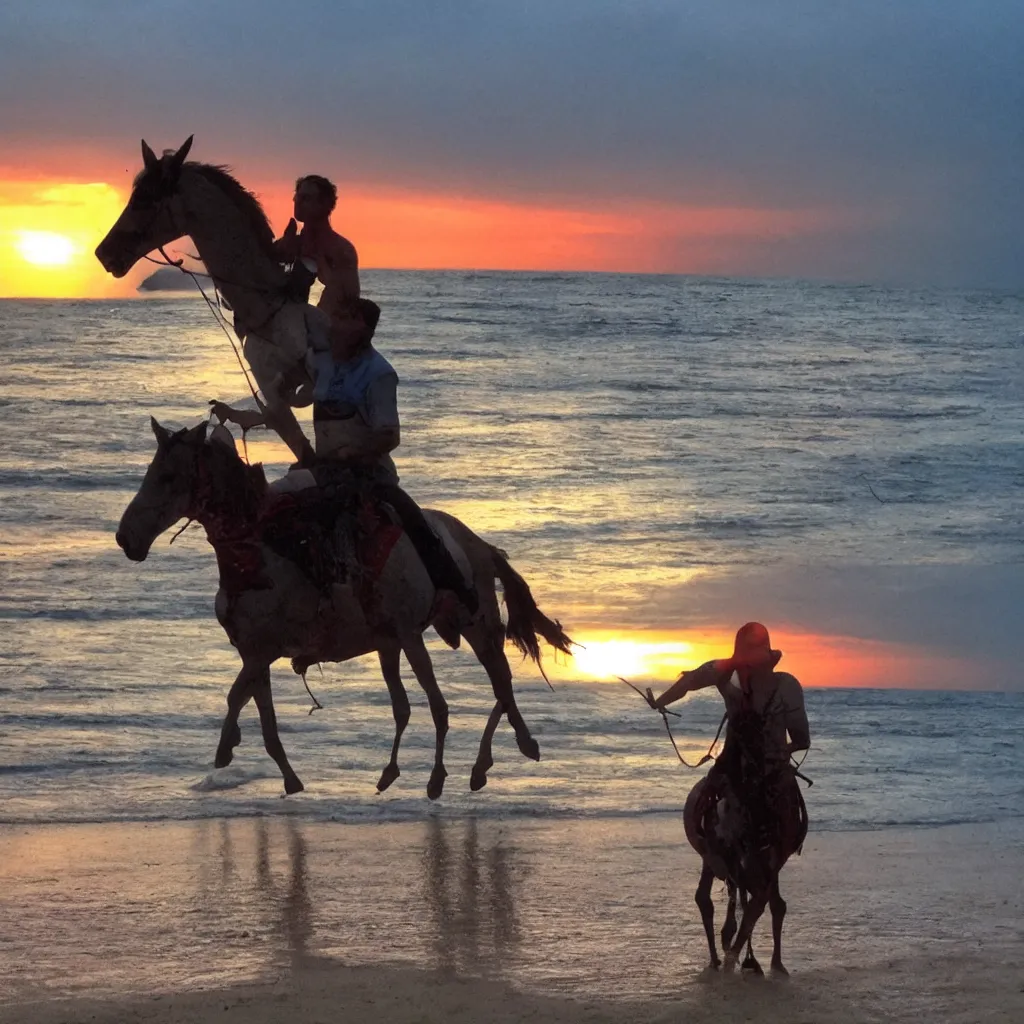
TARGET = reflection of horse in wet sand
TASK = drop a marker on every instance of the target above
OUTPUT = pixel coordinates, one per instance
(470, 885)
(745, 823)
(270, 608)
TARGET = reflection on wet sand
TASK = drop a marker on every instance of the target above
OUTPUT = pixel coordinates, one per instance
(265, 893)
(469, 889)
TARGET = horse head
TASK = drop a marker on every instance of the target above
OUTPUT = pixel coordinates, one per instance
(167, 491)
(153, 216)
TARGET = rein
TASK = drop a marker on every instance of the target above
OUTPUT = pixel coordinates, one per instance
(709, 756)
(217, 315)
(215, 308)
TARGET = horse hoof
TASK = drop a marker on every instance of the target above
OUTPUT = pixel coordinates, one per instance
(778, 969)
(529, 747)
(435, 787)
(750, 964)
(478, 778)
(387, 776)
(222, 758)
(293, 785)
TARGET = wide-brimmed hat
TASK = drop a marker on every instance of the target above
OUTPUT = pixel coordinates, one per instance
(752, 650)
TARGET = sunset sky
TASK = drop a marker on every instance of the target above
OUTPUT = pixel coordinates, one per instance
(880, 140)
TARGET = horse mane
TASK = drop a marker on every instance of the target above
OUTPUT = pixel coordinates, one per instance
(222, 179)
(246, 201)
(238, 489)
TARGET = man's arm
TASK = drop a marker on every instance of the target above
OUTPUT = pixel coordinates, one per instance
(797, 726)
(286, 248)
(339, 272)
(385, 431)
(697, 679)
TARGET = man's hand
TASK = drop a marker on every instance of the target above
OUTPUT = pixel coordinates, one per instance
(287, 246)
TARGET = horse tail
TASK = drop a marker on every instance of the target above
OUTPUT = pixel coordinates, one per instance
(526, 622)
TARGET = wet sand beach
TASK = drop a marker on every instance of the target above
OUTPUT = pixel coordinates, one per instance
(462, 920)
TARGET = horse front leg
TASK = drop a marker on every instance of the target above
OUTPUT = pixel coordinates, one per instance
(419, 659)
(729, 927)
(753, 910)
(238, 697)
(484, 758)
(271, 740)
(390, 667)
(778, 908)
(702, 897)
(489, 651)
(749, 961)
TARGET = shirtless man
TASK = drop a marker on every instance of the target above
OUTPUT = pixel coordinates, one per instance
(749, 684)
(318, 252)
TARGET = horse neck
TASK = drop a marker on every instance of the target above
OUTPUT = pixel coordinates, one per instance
(225, 501)
(247, 277)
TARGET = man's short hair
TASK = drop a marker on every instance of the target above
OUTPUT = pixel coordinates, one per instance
(324, 186)
(370, 312)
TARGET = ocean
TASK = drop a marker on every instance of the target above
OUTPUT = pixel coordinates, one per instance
(662, 457)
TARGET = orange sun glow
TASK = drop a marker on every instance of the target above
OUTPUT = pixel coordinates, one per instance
(48, 231)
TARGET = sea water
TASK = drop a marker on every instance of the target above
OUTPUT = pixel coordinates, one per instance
(852, 454)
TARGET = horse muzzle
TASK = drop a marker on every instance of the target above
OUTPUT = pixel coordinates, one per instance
(113, 257)
(135, 552)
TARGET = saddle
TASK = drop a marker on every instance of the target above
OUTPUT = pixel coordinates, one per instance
(333, 534)
(769, 814)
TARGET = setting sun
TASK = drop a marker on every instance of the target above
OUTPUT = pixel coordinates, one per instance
(628, 656)
(45, 248)
(48, 231)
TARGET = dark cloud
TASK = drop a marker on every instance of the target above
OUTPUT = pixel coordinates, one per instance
(906, 114)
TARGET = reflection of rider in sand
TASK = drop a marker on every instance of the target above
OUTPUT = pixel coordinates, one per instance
(356, 427)
(762, 707)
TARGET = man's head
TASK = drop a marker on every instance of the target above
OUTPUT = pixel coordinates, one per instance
(752, 653)
(315, 198)
(353, 333)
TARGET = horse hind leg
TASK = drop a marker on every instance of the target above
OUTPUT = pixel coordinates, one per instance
(484, 758)
(778, 908)
(702, 897)
(390, 667)
(419, 659)
(490, 653)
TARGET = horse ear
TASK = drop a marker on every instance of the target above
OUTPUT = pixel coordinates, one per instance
(149, 158)
(221, 435)
(162, 433)
(174, 167)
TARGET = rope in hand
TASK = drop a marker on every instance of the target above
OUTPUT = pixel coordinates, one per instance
(709, 756)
